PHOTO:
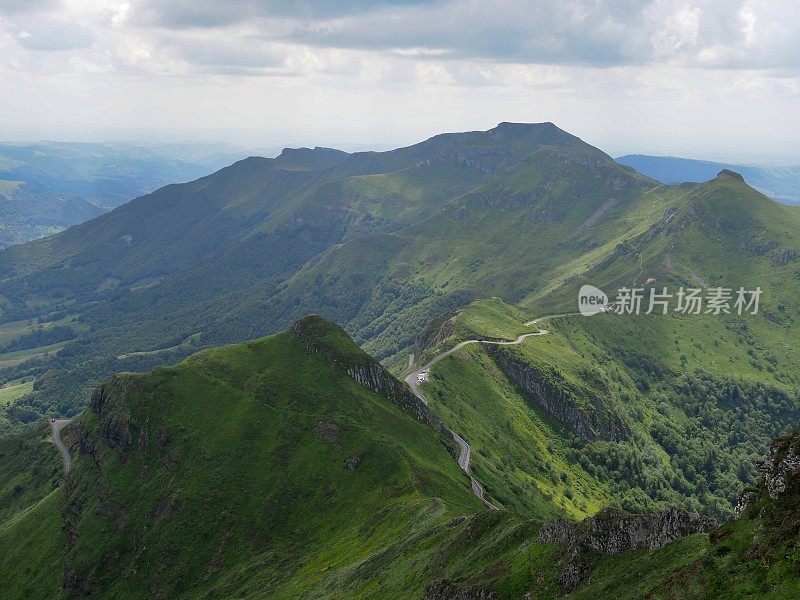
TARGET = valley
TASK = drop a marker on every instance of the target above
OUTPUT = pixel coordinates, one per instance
(398, 300)
(46, 187)
(171, 340)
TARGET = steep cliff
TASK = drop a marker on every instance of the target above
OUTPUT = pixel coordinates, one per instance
(613, 532)
(322, 336)
(597, 423)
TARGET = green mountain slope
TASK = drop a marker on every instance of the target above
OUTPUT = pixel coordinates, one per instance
(30, 469)
(657, 410)
(651, 411)
(250, 468)
(266, 470)
(579, 420)
(528, 227)
(199, 264)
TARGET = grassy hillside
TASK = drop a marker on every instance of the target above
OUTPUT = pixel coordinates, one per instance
(653, 410)
(30, 469)
(389, 244)
(698, 397)
(250, 468)
(521, 455)
(265, 470)
(527, 228)
(232, 256)
(692, 433)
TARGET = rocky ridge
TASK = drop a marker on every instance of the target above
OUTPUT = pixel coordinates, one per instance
(613, 532)
(601, 423)
(363, 369)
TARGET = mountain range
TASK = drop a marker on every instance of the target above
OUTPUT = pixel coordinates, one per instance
(780, 183)
(483, 237)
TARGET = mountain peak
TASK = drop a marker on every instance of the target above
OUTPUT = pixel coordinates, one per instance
(727, 173)
(509, 127)
(314, 325)
(321, 335)
(310, 158)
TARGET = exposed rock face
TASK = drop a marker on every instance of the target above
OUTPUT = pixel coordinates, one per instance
(782, 465)
(365, 370)
(114, 415)
(743, 503)
(379, 380)
(612, 532)
(600, 424)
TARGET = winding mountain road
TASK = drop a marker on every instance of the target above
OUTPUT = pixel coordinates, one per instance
(413, 382)
(57, 425)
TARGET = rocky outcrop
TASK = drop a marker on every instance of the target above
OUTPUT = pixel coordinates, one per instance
(601, 423)
(313, 331)
(779, 472)
(374, 377)
(782, 465)
(613, 532)
(113, 413)
(744, 501)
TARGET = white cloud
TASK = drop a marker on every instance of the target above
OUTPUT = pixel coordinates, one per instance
(46, 34)
(399, 70)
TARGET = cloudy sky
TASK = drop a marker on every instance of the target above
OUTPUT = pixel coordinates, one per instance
(709, 78)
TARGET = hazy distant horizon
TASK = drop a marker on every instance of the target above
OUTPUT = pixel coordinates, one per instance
(271, 145)
(700, 78)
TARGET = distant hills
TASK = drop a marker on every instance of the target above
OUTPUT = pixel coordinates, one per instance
(48, 186)
(296, 465)
(381, 242)
(779, 183)
(391, 245)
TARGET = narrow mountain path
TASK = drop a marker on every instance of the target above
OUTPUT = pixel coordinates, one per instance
(464, 459)
(57, 426)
